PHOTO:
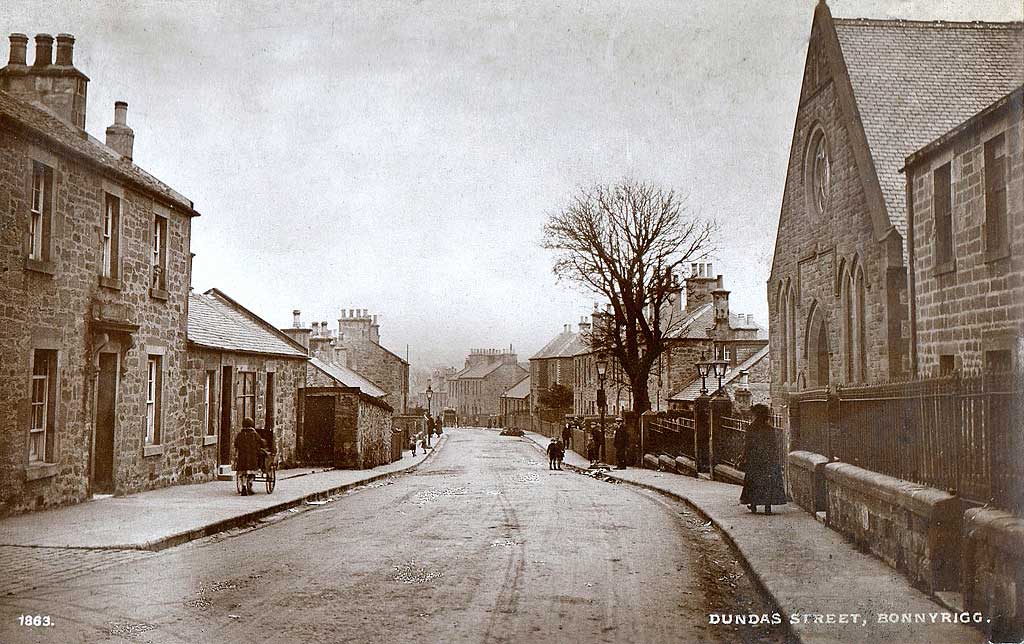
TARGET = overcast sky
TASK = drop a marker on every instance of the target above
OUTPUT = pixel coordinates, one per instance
(401, 156)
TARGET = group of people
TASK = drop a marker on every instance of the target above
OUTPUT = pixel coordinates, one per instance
(556, 453)
(252, 448)
(595, 440)
(433, 427)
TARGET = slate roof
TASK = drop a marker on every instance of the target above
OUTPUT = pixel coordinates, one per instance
(480, 370)
(914, 80)
(43, 123)
(218, 322)
(691, 391)
(348, 377)
(695, 326)
(519, 390)
(563, 345)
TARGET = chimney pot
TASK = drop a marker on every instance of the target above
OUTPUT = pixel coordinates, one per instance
(19, 47)
(296, 316)
(44, 50)
(120, 137)
(65, 50)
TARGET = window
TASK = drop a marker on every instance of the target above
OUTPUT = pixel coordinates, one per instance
(943, 213)
(947, 364)
(44, 401)
(997, 241)
(154, 382)
(41, 215)
(246, 399)
(817, 173)
(111, 237)
(158, 255)
(209, 415)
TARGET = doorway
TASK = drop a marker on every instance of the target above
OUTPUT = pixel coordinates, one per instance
(226, 383)
(106, 414)
(318, 430)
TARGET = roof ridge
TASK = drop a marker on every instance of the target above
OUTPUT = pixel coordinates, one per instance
(901, 22)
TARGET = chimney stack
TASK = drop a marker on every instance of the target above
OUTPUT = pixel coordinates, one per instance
(19, 49)
(44, 50)
(296, 319)
(120, 137)
(65, 50)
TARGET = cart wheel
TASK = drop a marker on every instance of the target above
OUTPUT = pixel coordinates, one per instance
(271, 478)
(239, 484)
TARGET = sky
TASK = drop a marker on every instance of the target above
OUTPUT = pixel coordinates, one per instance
(401, 156)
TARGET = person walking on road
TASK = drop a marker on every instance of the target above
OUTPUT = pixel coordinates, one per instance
(552, 454)
(567, 435)
(559, 454)
(621, 443)
(247, 453)
(762, 481)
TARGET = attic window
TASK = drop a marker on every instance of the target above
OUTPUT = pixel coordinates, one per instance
(818, 173)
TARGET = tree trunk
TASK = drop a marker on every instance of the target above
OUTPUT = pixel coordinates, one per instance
(641, 397)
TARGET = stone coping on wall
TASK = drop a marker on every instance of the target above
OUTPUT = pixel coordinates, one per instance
(1000, 529)
(806, 460)
(919, 499)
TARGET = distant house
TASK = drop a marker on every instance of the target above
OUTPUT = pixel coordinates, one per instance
(965, 239)
(514, 404)
(476, 389)
(747, 383)
(345, 419)
(554, 364)
(240, 366)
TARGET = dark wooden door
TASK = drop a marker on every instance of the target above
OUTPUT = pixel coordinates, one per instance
(106, 412)
(226, 382)
(318, 430)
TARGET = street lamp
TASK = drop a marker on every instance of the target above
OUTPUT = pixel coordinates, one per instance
(720, 368)
(602, 400)
(430, 394)
(703, 370)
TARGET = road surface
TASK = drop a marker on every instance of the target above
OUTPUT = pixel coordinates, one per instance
(482, 544)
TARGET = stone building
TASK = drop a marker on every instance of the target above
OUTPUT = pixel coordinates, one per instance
(747, 383)
(965, 240)
(706, 329)
(95, 257)
(439, 394)
(873, 91)
(514, 404)
(359, 336)
(345, 418)
(240, 366)
(554, 364)
(476, 390)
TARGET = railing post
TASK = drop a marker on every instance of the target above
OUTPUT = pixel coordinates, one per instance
(721, 407)
(701, 432)
(835, 421)
(794, 424)
(645, 420)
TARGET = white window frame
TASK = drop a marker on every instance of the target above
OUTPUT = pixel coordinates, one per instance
(154, 402)
(111, 235)
(42, 403)
(209, 406)
(37, 211)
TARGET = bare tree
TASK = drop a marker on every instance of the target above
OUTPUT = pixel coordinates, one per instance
(626, 243)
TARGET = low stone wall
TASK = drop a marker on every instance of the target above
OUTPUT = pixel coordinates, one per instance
(685, 466)
(806, 478)
(913, 528)
(651, 462)
(667, 463)
(727, 474)
(993, 571)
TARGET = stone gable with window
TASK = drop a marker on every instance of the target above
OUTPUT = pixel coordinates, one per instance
(873, 92)
(79, 321)
(967, 242)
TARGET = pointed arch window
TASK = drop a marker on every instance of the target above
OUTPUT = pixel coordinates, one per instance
(791, 332)
(781, 305)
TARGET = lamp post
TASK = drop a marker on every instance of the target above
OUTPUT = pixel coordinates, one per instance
(703, 370)
(430, 394)
(602, 400)
(720, 368)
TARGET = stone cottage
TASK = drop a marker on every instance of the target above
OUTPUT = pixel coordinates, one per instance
(359, 336)
(240, 366)
(95, 256)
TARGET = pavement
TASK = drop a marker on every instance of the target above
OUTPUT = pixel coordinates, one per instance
(812, 574)
(169, 516)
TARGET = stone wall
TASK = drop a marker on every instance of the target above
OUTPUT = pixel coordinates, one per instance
(805, 478)
(381, 367)
(978, 304)
(993, 571)
(811, 249)
(48, 306)
(913, 528)
(374, 435)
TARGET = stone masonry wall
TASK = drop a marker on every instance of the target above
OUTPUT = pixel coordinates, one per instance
(374, 435)
(979, 304)
(810, 249)
(41, 310)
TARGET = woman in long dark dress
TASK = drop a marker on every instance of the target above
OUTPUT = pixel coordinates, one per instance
(762, 480)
